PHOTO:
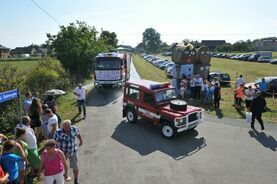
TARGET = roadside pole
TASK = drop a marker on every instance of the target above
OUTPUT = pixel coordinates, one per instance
(19, 107)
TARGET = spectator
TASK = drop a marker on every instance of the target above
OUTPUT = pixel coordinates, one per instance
(66, 139)
(239, 96)
(35, 113)
(182, 90)
(263, 86)
(217, 96)
(81, 93)
(2, 138)
(4, 177)
(257, 108)
(8, 161)
(44, 119)
(209, 93)
(198, 81)
(31, 140)
(19, 135)
(53, 163)
(249, 95)
(204, 87)
(192, 87)
(215, 80)
(27, 103)
(51, 102)
(52, 123)
(240, 81)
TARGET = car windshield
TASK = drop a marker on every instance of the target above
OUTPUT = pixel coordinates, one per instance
(225, 76)
(107, 65)
(165, 95)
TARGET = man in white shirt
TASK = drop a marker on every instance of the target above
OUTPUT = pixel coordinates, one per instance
(81, 93)
(52, 125)
(239, 81)
(249, 93)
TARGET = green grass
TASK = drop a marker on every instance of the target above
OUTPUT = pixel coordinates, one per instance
(22, 65)
(251, 71)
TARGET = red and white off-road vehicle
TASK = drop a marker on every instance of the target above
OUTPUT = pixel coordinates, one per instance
(158, 103)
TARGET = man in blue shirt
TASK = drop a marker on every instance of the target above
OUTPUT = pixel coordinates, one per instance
(8, 161)
(263, 86)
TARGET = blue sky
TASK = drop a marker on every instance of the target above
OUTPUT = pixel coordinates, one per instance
(22, 23)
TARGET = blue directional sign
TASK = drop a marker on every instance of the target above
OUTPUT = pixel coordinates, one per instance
(8, 95)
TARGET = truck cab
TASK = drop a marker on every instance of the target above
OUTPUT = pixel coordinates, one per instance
(111, 69)
(158, 103)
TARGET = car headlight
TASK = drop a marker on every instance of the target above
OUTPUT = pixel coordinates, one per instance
(180, 121)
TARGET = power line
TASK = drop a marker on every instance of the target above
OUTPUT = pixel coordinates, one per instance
(46, 12)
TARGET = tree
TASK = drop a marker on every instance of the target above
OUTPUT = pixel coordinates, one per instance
(75, 46)
(151, 40)
(109, 38)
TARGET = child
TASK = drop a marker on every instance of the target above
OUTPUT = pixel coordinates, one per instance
(239, 96)
(8, 160)
(3, 177)
(44, 119)
(19, 135)
(182, 91)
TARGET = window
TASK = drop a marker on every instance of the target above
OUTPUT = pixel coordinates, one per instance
(132, 92)
(148, 98)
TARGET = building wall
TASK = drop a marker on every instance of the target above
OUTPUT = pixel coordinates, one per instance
(4, 54)
(266, 45)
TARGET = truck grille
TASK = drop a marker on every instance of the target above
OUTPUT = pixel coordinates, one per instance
(193, 117)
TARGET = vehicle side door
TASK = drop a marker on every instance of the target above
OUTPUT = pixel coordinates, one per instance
(148, 108)
(132, 96)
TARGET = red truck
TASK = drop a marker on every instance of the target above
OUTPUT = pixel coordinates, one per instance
(158, 103)
(111, 69)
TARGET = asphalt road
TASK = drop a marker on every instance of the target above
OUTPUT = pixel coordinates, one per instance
(219, 151)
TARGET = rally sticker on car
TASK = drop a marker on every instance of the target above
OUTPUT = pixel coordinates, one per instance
(149, 114)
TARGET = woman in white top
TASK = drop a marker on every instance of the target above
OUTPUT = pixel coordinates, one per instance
(249, 93)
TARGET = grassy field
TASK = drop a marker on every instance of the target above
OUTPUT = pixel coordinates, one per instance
(251, 71)
(23, 65)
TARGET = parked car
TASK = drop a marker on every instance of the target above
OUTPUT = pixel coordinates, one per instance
(169, 64)
(271, 80)
(254, 57)
(169, 72)
(274, 61)
(223, 77)
(245, 57)
(264, 59)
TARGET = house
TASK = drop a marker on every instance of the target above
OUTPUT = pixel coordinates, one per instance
(213, 44)
(265, 44)
(4, 52)
(31, 50)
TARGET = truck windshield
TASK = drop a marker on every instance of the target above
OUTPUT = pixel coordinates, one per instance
(108, 65)
(165, 95)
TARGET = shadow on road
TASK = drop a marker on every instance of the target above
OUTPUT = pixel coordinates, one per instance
(266, 140)
(103, 96)
(145, 138)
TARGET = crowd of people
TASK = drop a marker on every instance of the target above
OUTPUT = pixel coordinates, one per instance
(204, 90)
(41, 122)
(209, 91)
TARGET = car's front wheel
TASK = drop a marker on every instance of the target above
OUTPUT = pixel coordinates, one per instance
(131, 116)
(167, 130)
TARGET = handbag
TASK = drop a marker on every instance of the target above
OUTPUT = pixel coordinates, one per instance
(248, 117)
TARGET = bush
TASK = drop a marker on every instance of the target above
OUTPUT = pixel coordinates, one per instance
(10, 78)
(47, 75)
